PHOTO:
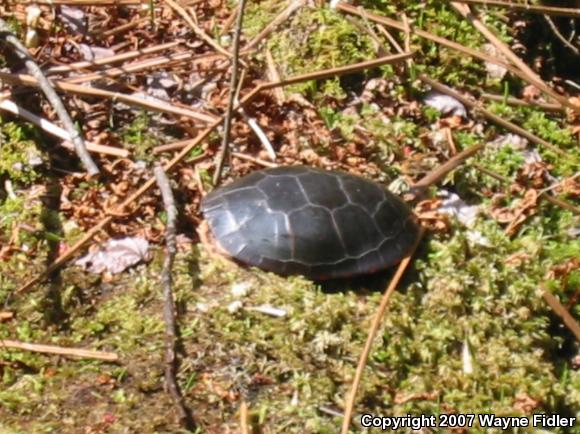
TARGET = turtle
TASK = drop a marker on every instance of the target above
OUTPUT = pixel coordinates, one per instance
(300, 220)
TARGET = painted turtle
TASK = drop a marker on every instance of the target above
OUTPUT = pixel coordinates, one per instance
(302, 220)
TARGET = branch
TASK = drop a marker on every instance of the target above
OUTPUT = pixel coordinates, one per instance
(233, 84)
(53, 349)
(168, 305)
(46, 87)
(348, 411)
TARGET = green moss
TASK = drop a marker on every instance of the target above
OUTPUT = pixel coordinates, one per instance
(138, 137)
(317, 39)
(19, 155)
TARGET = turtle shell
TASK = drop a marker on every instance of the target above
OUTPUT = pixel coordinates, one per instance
(302, 220)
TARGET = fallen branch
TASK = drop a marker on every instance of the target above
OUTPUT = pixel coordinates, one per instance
(196, 29)
(62, 351)
(51, 95)
(536, 80)
(223, 152)
(349, 409)
(441, 171)
(510, 100)
(244, 426)
(157, 105)
(277, 21)
(491, 116)
(112, 59)
(453, 45)
(170, 360)
(57, 131)
(527, 7)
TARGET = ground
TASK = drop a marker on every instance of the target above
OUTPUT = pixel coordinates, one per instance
(467, 330)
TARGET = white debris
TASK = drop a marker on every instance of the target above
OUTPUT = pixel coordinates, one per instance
(531, 155)
(477, 238)
(74, 18)
(513, 140)
(466, 358)
(494, 70)
(268, 310)
(116, 256)
(240, 290)
(235, 306)
(455, 206)
(89, 53)
(445, 104)
(202, 307)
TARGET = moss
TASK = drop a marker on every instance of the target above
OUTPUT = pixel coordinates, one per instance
(317, 39)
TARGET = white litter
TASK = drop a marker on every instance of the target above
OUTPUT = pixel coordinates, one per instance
(240, 290)
(268, 310)
(116, 256)
(455, 206)
(446, 104)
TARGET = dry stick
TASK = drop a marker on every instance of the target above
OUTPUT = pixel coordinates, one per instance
(52, 349)
(46, 87)
(510, 100)
(170, 360)
(230, 21)
(509, 54)
(62, 259)
(492, 117)
(83, 2)
(254, 160)
(440, 172)
(446, 43)
(560, 36)
(279, 19)
(5, 316)
(112, 59)
(536, 9)
(174, 58)
(120, 29)
(156, 105)
(562, 312)
(59, 132)
(233, 84)
(349, 409)
(199, 32)
(244, 428)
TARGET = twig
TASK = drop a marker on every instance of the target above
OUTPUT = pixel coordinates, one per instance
(48, 90)
(112, 59)
(62, 351)
(174, 58)
(510, 100)
(233, 84)
(492, 117)
(5, 316)
(244, 418)
(509, 54)
(527, 7)
(168, 304)
(441, 171)
(254, 160)
(155, 105)
(277, 21)
(562, 312)
(559, 35)
(120, 29)
(57, 131)
(196, 29)
(453, 45)
(349, 409)
(82, 2)
(274, 76)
